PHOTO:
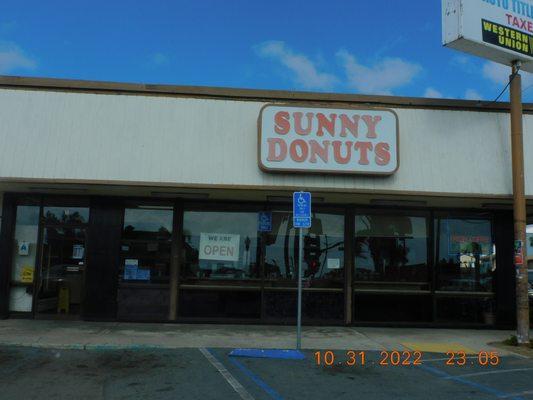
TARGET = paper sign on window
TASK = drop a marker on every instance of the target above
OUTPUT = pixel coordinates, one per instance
(219, 246)
(334, 263)
(130, 269)
(78, 251)
(24, 248)
(26, 274)
(143, 274)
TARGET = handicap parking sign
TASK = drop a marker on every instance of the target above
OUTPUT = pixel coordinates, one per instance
(301, 209)
(264, 221)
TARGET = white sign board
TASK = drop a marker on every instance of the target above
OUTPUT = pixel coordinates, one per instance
(498, 30)
(219, 246)
(328, 140)
(24, 248)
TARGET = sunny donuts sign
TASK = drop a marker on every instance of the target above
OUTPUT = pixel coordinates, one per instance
(328, 140)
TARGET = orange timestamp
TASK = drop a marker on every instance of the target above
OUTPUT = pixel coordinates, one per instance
(396, 358)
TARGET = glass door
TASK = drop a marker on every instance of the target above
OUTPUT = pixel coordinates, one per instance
(62, 269)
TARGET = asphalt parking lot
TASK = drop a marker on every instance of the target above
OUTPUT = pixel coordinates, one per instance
(31, 373)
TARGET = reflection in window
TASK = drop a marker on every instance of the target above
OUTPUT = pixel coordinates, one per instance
(24, 257)
(66, 215)
(221, 245)
(145, 247)
(391, 248)
(148, 223)
(323, 252)
(466, 259)
(62, 270)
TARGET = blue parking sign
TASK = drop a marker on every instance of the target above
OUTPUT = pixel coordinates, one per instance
(301, 209)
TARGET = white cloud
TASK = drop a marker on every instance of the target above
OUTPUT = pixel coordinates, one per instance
(382, 78)
(472, 94)
(304, 71)
(496, 73)
(12, 58)
(466, 63)
(499, 74)
(433, 93)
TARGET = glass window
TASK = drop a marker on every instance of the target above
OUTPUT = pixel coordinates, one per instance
(62, 270)
(148, 223)
(195, 303)
(319, 306)
(466, 259)
(391, 248)
(146, 245)
(24, 257)
(66, 215)
(385, 307)
(466, 309)
(323, 252)
(221, 245)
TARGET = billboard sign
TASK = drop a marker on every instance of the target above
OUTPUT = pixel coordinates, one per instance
(498, 30)
(328, 140)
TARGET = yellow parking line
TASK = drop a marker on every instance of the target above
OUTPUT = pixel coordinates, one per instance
(438, 347)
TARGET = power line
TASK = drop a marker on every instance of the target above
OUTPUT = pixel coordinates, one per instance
(508, 84)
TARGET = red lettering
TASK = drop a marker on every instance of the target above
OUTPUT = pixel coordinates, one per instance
(382, 153)
(351, 125)
(325, 123)
(530, 26)
(298, 123)
(371, 123)
(509, 17)
(337, 144)
(318, 150)
(283, 126)
(363, 148)
(282, 146)
(304, 150)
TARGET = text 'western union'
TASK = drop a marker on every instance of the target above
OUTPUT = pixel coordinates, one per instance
(507, 37)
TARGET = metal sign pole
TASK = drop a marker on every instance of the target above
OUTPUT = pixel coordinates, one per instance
(517, 147)
(299, 317)
(301, 209)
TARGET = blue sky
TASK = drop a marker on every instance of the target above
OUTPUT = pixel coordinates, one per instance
(346, 46)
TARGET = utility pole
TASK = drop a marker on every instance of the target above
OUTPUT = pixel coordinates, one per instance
(519, 206)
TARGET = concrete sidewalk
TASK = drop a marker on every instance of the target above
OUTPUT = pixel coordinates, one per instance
(119, 335)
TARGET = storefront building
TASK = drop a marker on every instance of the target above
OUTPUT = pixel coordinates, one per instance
(173, 204)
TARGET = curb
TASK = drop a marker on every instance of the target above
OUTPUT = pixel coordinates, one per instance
(87, 347)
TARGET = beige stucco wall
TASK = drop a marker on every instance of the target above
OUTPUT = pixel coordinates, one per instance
(188, 141)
